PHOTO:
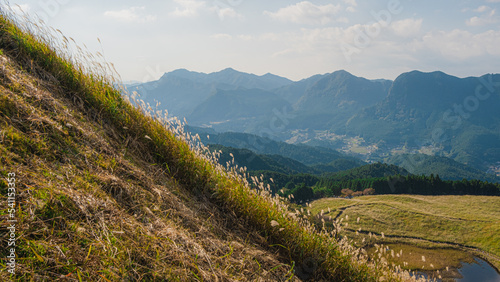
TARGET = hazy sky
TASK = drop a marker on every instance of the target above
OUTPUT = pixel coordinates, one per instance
(295, 39)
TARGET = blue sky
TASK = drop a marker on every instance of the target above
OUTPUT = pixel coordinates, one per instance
(295, 39)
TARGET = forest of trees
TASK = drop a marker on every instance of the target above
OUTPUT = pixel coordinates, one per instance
(409, 184)
(368, 180)
(307, 183)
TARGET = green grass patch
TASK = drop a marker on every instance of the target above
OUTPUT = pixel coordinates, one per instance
(412, 257)
(472, 221)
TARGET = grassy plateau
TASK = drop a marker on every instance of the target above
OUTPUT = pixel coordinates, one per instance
(470, 223)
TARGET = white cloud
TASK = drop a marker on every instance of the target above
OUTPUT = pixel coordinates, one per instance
(193, 8)
(269, 37)
(319, 41)
(188, 8)
(351, 2)
(461, 45)
(343, 20)
(407, 27)
(488, 16)
(493, 1)
(224, 36)
(246, 37)
(403, 42)
(226, 12)
(482, 9)
(306, 13)
(133, 14)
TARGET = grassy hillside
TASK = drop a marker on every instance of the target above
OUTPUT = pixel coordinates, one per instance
(109, 192)
(466, 221)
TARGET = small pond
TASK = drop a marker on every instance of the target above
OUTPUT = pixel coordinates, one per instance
(476, 271)
(442, 264)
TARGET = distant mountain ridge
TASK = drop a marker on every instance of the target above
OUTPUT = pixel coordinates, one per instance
(233, 77)
(342, 89)
(433, 111)
(335, 97)
(181, 91)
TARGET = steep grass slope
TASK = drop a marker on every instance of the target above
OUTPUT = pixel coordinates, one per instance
(105, 192)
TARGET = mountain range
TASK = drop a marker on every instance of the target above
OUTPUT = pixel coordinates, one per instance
(432, 113)
(181, 91)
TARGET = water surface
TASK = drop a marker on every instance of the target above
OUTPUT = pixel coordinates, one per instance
(480, 271)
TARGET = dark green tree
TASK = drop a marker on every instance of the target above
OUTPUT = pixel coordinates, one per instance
(302, 193)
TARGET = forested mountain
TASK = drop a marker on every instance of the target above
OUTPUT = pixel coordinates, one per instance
(305, 154)
(316, 102)
(435, 112)
(457, 116)
(447, 168)
(323, 160)
(368, 171)
(237, 108)
(342, 89)
(258, 162)
(419, 102)
(294, 91)
(288, 176)
(177, 95)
